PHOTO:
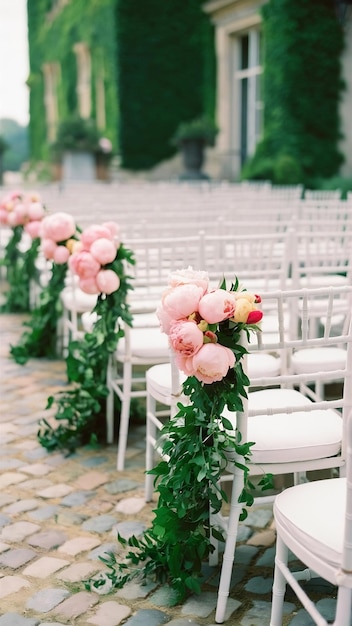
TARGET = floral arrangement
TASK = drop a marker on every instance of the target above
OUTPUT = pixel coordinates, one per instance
(23, 213)
(204, 326)
(93, 259)
(58, 234)
(99, 262)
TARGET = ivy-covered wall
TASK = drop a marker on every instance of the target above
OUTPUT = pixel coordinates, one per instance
(166, 75)
(52, 40)
(302, 88)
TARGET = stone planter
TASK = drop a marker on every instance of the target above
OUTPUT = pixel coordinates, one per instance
(192, 151)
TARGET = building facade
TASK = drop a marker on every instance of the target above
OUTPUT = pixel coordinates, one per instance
(239, 98)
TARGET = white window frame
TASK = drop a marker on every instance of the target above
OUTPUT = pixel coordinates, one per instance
(254, 70)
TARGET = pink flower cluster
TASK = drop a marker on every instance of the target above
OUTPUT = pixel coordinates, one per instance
(92, 256)
(57, 232)
(27, 210)
(190, 314)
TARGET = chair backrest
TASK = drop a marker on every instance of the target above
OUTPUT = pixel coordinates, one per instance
(320, 257)
(304, 303)
(260, 260)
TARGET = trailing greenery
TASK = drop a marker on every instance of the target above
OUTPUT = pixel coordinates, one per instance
(42, 340)
(87, 21)
(166, 75)
(196, 443)
(20, 271)
(80, 410)
(302, 87)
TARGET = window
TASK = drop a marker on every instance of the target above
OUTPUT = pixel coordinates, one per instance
(248, 78)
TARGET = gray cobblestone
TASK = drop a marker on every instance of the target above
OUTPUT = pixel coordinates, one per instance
(53, 529)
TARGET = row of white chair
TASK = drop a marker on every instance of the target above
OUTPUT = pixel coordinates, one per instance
(265, 263)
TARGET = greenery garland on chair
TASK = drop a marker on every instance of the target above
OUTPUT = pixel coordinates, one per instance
(59, 235)
(22, 213)
(80, 410)
(204, 329)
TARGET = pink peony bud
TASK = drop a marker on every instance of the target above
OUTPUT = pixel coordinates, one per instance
(89, 285)
(33, 228)
(35, 211)
(107, 281)
(59, 226)
(3, 216)
(61, 255)
(93, 232)
(48, 247)
(103, 250)
(84, 264)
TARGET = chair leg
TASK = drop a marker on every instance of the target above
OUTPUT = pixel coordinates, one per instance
(230, 545)
(149, 449)
(279, 584)
(344, 607)
(125, 415)
(110, 403)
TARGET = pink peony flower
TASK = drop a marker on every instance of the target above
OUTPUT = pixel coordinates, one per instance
(61, 255)
(48, 247)
(164, 319)
(17, 216)
(58, 226)
(212, 362)
(3, 216)
(182, 301)
(189, 275)
(185, 337)
(84, 264)
(93, 232)
(33, 228)
(115, 231)
(217, 306)
(103, 250)
(185, 364)
(89, 285)
(35, 211)
(107, 281)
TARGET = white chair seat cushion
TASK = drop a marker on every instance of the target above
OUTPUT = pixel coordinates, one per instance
(318, 359)
(290, 437)
(145, 343)
(158, 380)
(261, 364)
(78, 300)
(323, 280)
(142, 320)
(314, 513)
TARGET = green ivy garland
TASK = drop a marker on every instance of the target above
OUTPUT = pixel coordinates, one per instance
(80, 410)
(41, 339)
(196, 441)
(20, 271)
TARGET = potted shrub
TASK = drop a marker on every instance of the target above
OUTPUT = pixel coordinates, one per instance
(80, 151)
(191, 138)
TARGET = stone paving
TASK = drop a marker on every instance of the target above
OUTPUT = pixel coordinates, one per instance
(58, 514)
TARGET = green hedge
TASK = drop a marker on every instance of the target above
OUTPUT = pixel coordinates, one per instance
(302, 87)
(166, 75)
